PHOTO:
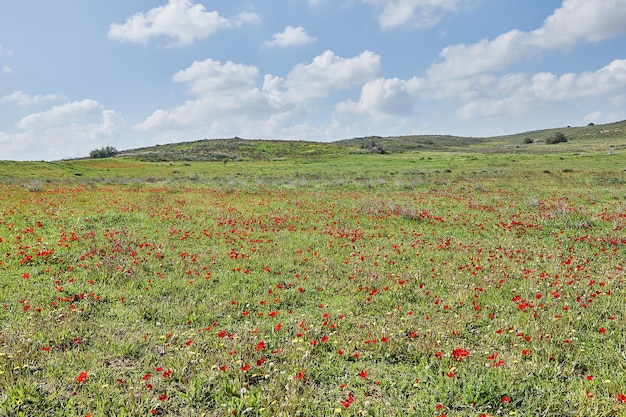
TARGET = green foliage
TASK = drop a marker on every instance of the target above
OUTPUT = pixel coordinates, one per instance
(558, 137)
(105, 152)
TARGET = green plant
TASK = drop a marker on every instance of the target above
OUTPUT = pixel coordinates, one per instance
(558, 137)
(105, 152)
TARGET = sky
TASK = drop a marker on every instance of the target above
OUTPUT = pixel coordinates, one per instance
(78, 75)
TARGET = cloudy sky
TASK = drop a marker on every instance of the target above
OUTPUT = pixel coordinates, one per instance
(76, 75)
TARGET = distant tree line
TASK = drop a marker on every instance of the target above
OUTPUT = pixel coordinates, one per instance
(106, 152)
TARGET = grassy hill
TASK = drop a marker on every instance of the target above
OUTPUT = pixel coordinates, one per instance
(374, 158)
(579, 138)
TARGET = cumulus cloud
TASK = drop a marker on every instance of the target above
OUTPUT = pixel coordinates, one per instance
(179, 19)
(328, 73)
(221, 90)
(382, 98)
(576, 20)
(291, 36)
(474, 75)
(227, 97)
(22, 99)
(65, 114)
(422, 14)
(515, 94)
(72, 129)
(573, 22)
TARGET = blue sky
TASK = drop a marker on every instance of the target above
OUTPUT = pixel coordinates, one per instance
(77, 75)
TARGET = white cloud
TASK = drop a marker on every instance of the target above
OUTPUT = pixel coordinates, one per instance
(291, 36)
(65, 114)
(211, 77)
(576, 20)
(221, 91)
(573, 22)
(6, 70)
(69, 130)
(382, 98)
(458, 61)
(229, 102)
(23, 99)
(593, 116)
(516, 94)
(328, 73)
(179, 19)
(422, 14)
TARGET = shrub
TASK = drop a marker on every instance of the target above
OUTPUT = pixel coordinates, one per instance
(558, 137)
(106, 152)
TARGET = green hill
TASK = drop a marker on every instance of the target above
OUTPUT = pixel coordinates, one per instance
(591, 137)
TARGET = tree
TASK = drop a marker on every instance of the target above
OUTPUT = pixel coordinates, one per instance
(106, 152)
(558, 137)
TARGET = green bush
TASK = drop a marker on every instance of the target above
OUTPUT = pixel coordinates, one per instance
(106, 152)
(558, 137)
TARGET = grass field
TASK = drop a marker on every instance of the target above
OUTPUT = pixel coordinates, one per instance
(427, 283)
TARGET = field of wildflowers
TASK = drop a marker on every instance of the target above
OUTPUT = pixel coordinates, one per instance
(433, 293)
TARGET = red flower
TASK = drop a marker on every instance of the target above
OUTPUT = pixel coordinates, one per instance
(363, 374)
(163, 397)
(349, 401)
(82, 377)
(300, 375)
(459, 354)
(621, 398)
(602, 330)
(260, 345)
(506, 399)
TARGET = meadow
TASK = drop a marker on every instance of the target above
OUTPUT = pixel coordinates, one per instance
(409, 284)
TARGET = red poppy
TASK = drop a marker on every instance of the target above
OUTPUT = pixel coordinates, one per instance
(82, 377)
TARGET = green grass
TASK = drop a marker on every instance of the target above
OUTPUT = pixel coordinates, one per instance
(426, 283)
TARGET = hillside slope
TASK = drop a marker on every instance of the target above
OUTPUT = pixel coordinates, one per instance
(590, 137)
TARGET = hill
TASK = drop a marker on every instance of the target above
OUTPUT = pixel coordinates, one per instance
(591, 137)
